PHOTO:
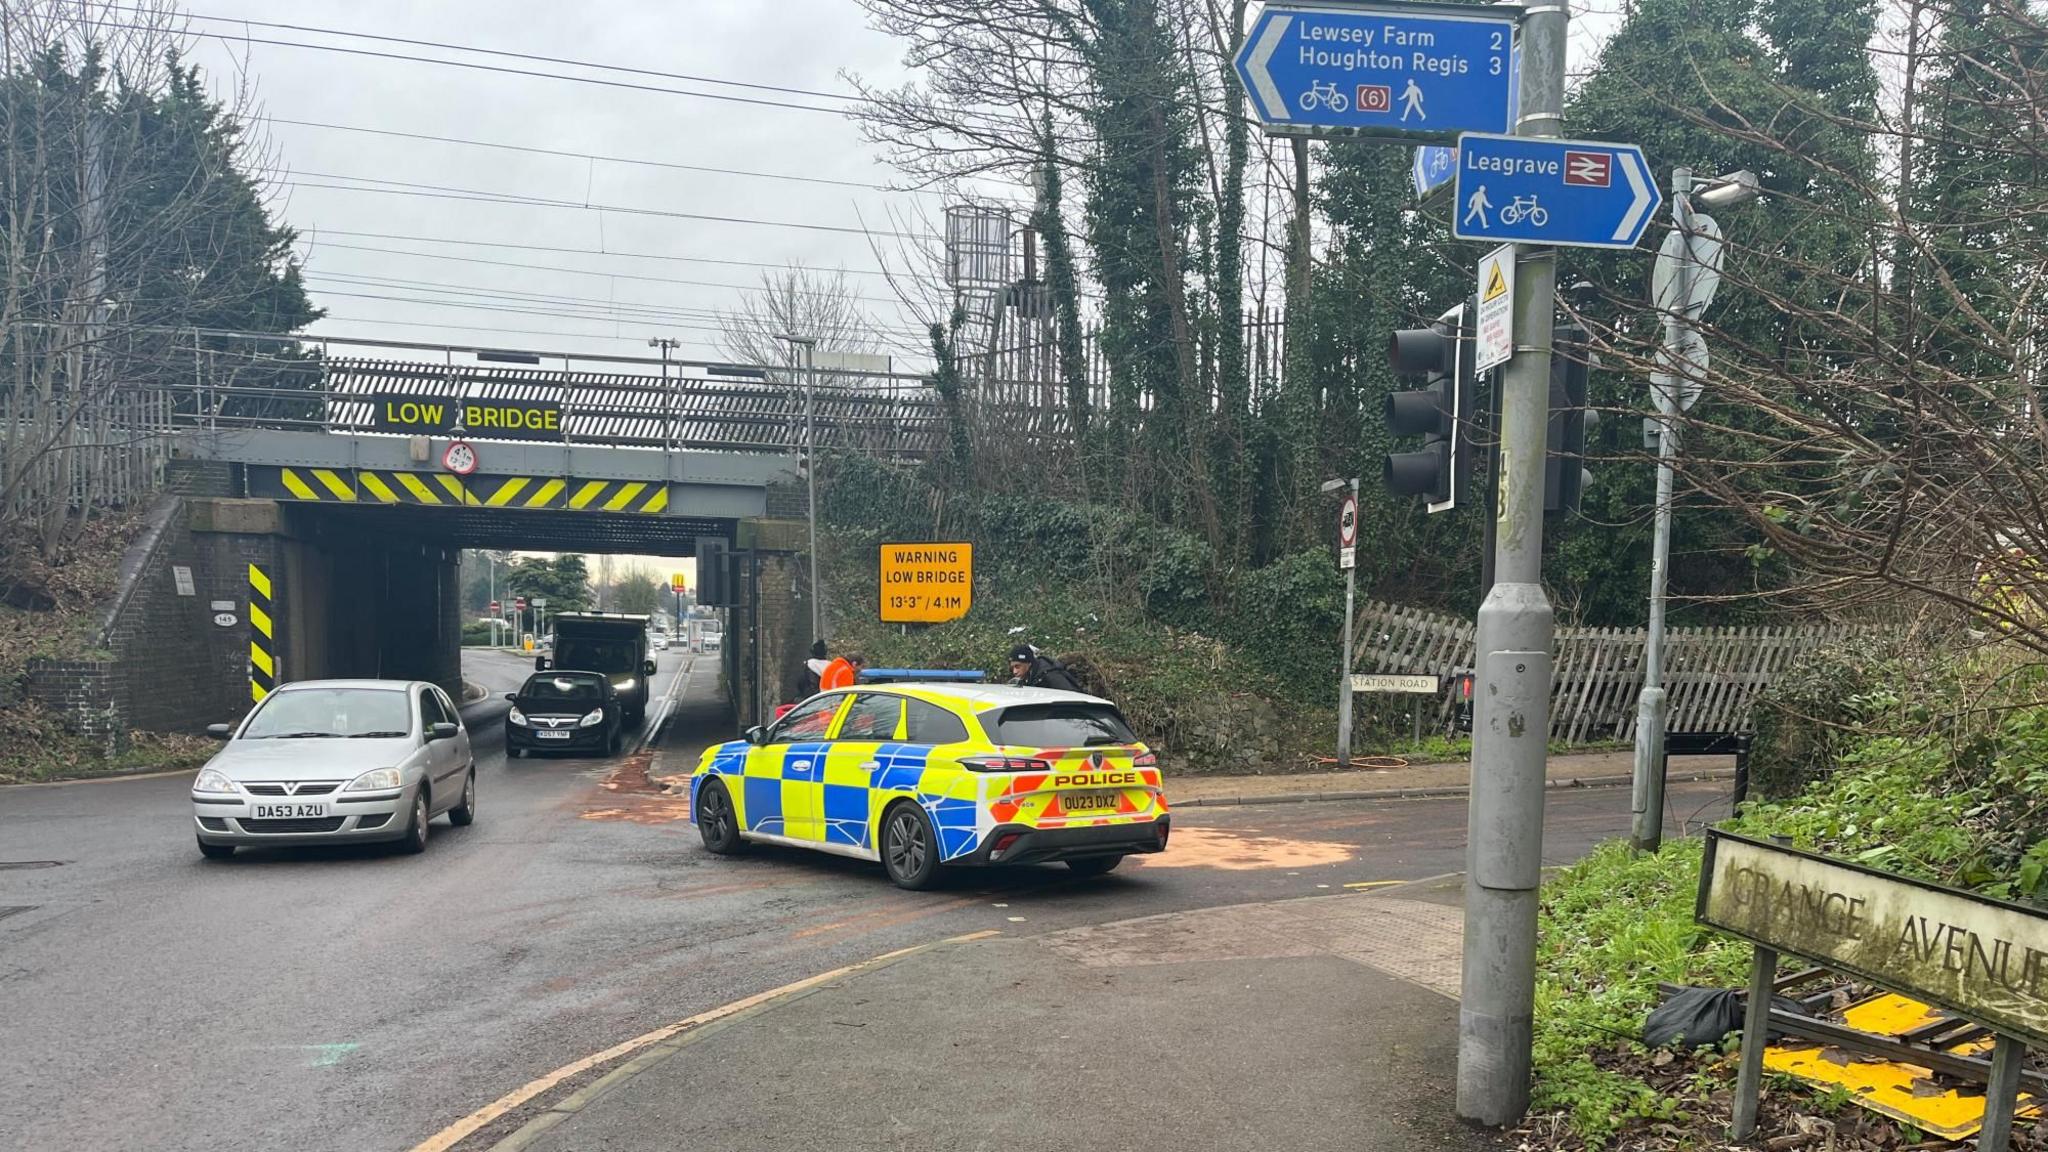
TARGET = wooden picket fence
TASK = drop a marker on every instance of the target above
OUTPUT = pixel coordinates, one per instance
(1712, 675)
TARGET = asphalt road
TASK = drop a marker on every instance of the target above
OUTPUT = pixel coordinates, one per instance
(357, 999)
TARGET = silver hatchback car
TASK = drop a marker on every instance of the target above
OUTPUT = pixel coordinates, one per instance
(336, 761)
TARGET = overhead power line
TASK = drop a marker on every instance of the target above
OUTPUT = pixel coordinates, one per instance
(509, 55)
(317, 232)
(326, 245)
(590, 156)
(487, 196)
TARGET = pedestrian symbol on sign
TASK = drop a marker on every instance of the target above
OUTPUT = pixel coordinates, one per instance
(1411, 101)
(1477, 206)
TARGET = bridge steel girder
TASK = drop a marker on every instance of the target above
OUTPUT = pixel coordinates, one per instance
(499, 457)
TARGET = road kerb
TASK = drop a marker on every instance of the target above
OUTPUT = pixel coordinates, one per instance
(677, 1036)
(1439, 793)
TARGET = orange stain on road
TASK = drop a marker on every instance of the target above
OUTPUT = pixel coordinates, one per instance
(1239, 852)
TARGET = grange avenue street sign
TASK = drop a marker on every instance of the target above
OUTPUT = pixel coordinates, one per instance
(1983, 959)
(1573, 193)
(1388, 70)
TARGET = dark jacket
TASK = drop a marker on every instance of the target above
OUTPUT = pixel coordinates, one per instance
(1046, 673)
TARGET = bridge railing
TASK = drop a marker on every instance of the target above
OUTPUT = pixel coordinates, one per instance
(730, 408)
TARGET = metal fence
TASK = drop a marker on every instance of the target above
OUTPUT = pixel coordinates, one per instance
(1712, 675)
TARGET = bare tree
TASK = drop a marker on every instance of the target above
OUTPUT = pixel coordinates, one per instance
(797, 301)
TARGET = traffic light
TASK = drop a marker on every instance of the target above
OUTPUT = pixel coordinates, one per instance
(1442, 353)
(714, 573)
(1564, 471)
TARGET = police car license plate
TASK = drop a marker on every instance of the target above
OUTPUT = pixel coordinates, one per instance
(288, 811)
(1088, 803)
(552, 735)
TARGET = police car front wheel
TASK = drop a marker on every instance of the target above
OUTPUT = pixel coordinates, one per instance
(716, 821)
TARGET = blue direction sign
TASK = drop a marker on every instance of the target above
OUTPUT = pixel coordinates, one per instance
(1387, 70)
(1435, 166)
(1574, 193)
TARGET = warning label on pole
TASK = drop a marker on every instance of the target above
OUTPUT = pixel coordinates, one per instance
(1496, 343)
(926, 583)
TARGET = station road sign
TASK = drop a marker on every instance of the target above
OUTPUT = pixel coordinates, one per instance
(1392, 70)
(1570, 193)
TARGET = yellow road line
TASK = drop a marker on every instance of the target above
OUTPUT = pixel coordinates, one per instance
(1375, 883)
(624, 496)
(455, 1133)
(296, 486)
(420, 492)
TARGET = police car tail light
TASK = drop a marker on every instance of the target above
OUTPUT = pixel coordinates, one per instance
(1145, 760)
(1003, 845)
(1005, 764)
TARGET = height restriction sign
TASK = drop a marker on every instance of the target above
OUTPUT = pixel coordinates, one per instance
(1347, 531)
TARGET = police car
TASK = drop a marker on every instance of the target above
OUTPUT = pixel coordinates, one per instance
(924, 777)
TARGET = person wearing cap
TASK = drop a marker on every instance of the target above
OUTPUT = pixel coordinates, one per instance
(1030, 668)
(842, 673)
(814, 669)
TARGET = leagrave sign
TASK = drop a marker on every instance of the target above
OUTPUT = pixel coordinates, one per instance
(499, 419)
(1986, 960)
(926, 583)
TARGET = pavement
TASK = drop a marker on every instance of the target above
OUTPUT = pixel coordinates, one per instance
(1313, 1023)
(357, 999)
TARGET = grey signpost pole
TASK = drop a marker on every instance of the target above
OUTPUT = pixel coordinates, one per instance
(1646, 800)
(1510, 735)
(1344, 667)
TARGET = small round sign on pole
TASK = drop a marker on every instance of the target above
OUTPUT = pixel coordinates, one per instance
(1347, 521)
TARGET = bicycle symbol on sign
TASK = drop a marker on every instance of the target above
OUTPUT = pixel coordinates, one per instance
(1525, 207)
(1325, 94)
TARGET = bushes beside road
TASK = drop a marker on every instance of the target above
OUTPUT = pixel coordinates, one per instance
(1937, 787)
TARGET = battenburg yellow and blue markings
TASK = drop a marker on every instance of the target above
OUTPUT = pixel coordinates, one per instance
(445, 489)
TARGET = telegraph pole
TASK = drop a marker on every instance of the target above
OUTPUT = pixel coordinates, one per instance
(810, 369)
(1510, 734)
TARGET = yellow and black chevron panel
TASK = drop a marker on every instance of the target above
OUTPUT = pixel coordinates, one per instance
(445, 489)
(263, 660)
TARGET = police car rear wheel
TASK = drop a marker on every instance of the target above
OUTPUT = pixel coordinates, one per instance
(716, 822)
(1094, 865)
(909, 850)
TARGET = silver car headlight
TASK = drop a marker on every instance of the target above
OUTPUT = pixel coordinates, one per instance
(377, 780)
(516, 716)
(592, 718)
(212, 780)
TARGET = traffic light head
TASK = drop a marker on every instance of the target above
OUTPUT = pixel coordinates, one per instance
(1571, 421)
(1441, 355)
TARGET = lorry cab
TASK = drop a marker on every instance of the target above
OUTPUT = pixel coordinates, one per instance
(612, 643)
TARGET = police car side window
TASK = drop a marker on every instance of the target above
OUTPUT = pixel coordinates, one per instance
(874, 716)
(808, 721)
(931, 724)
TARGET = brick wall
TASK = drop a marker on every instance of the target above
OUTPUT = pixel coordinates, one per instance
(199, 478)
(789, 500)
(84, 692)
(180, 670)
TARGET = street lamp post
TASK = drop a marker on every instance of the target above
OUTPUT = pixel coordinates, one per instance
(1332, 488)
(1688, 270)
(810, 346)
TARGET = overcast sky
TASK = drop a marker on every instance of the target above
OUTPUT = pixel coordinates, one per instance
(799, 44)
